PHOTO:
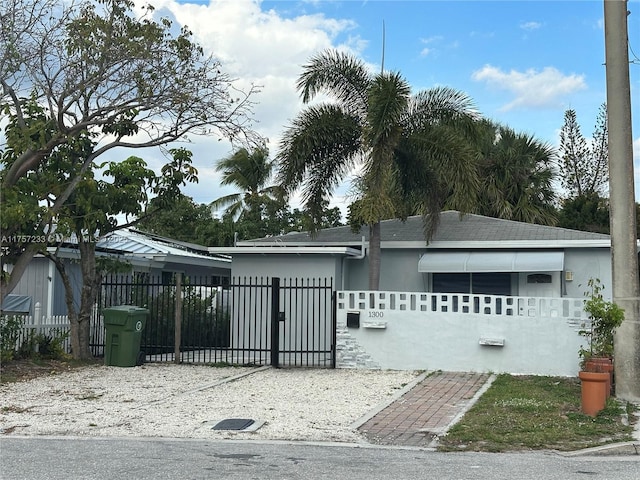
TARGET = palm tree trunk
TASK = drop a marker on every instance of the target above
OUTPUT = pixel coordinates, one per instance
(374, 256)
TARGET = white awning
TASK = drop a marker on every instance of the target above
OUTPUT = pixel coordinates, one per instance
(478, 261)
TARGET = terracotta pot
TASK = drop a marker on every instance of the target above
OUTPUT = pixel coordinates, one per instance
(603, 365)
(594, 391)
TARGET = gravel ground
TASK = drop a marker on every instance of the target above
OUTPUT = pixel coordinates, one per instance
(185, 401)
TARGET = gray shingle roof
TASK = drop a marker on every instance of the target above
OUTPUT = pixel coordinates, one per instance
(452, 228)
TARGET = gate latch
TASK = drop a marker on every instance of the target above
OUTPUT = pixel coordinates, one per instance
(281, 317)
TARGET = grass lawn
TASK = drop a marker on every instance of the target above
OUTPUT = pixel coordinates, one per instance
(528, 413)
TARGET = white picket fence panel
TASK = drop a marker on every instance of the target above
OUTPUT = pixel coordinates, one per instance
(53, 326)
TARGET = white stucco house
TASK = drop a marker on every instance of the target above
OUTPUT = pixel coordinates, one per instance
(467, 254)
(483, 294)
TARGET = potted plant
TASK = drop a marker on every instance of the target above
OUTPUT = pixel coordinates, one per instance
(596, 363)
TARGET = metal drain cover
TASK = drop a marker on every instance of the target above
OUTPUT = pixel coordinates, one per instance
(233, 424)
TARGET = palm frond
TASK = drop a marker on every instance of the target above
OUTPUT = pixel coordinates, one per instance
(388, 100)
(339, 75)
(517, 175)
(245, 170)
(322, 143)
(442, 106)
(225, 201)
(452, 157)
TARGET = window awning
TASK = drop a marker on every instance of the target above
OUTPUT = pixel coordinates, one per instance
(478, 261)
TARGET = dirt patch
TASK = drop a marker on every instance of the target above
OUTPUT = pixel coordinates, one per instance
(27, 369)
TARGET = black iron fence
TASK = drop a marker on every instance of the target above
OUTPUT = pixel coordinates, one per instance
(249, 321)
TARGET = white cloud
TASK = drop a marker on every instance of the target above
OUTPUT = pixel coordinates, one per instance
(425, 51)
(257, 47)
(434, 44)
(433, 39)
(484, 35)
(251, 42)
(531, 88)
(530, 26)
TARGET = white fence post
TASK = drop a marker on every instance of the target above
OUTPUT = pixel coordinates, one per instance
(37, 314)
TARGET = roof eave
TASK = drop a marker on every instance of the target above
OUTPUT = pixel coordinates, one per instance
(473, 244)
(514, 244)
(286, 249)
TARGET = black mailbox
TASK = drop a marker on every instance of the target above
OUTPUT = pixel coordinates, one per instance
(353, 319)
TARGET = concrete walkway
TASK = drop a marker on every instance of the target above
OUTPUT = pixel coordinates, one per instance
(425, 412)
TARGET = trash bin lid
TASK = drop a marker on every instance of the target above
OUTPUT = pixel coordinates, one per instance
(123, 314)
(126, 309)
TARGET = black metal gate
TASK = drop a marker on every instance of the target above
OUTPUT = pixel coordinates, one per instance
(249, 321)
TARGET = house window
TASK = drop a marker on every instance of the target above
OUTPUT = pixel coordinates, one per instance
(485, 283)
(168, 278)
(451, 283)
(539, 278)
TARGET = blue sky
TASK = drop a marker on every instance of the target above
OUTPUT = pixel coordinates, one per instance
(522, 62)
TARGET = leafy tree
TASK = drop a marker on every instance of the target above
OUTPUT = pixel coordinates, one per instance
(584, 171)
(26, 222)
(584, 166)
(410, 149)
(301, 220)
(187, 221)
(99, 72)
(517, 176)
(272, 218)
(248, 172)
(586, 212)
(91, 212)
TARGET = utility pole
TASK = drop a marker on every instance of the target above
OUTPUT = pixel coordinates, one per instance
(626, 288)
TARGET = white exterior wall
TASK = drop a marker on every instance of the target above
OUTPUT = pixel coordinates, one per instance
(399, 272)
(585, 264)
(412, 331)
(288, 266)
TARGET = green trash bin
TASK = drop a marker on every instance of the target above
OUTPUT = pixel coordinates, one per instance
(124, 325)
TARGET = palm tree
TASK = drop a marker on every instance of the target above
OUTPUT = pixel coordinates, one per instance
(410, 149)
(517, 176)
(249, 172)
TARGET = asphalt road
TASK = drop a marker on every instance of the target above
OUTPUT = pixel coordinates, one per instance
(42, 458)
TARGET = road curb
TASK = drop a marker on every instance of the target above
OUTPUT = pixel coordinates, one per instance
(613, 449)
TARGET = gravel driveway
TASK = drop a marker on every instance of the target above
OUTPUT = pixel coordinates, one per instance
(186, 401)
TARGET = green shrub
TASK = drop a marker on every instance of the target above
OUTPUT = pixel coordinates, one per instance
(52, 346)
(41, 345)
(604, 318)
(10, 327)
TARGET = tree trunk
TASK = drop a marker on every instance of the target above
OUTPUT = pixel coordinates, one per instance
(90, 284)
(80, 319)
(72, 314)
(374, 256)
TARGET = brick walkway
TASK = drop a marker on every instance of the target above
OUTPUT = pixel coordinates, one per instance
(424, 412)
